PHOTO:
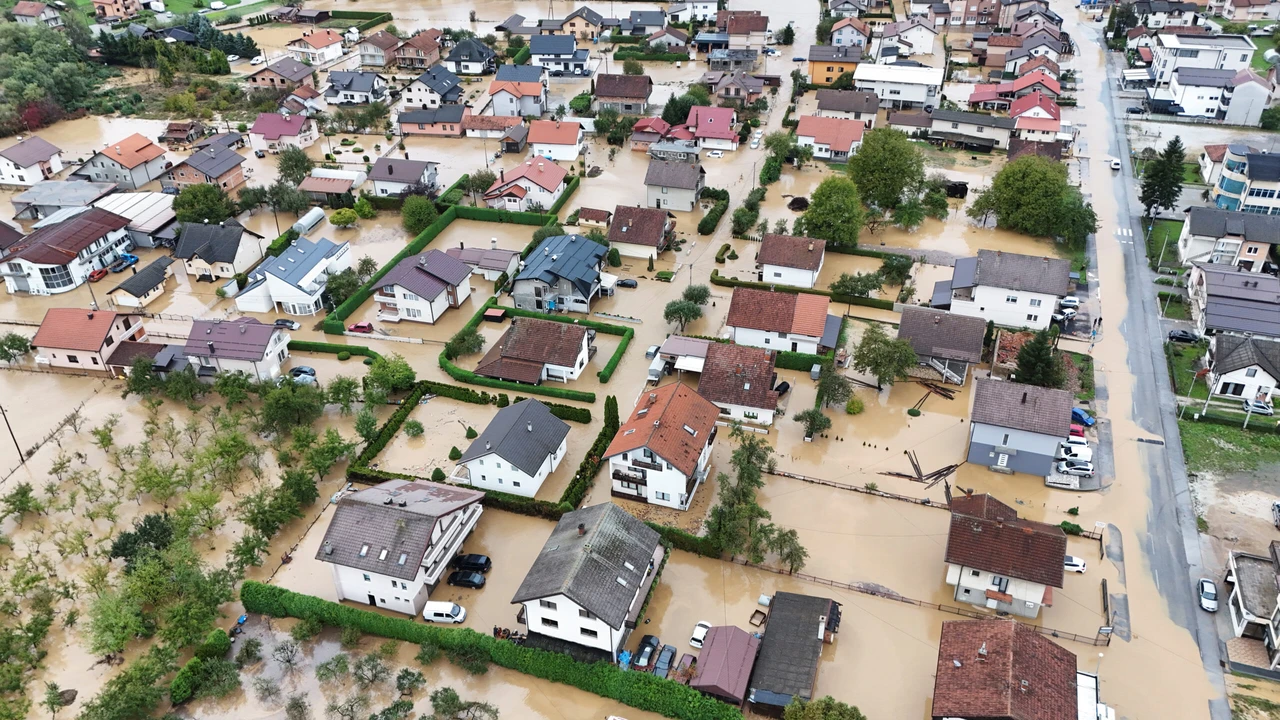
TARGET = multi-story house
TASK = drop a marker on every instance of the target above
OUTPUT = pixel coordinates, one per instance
(1249, 182)
(1008, 289)
(421, 288)
(740, 381)
(523, 444)
(116, 10)
(909, 37)
(29, 161)
(849, 105)
(391, 544)
(831, 138)
(443, 121)
(562, 273)
(559, 54)
(294, 281)
(946, 344)
(316, 47)
(152, 220)
(1225, 299)
(789, 260)
(851, 32)
(713, 127)
(845, 8)
(1222, 237)
(674, 185)
(379, 50)
(959, 128)
(391, 177)
(241, 345)
(795, 322)
(26, 12)
(58, 258)
(533, 351)
(433, 88)
(747, 31)
(220, 166)
(286, 72)
(272, 132)
(76, 339)
(217, 251)
(639, 232)
(1243, 367)
(628, 94)
(583, 23)
(420, 51)
(692, 11)
(1212, 52)
(535, 183)
(1156, 14)
(829, 62)
(556, 139)
(355, 88)
(900, 86)
(663, 452)
(999, 561)
(1016, 427)
(587, 585)
(1243, 10)
(1237, 97)
(519, 98)
(737, 88)
(129, 163)
(471, 57)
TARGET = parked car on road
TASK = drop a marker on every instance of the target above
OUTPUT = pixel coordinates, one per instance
(305, 380)
(360, 327)
(1079, 468)
(1185, 336)
(1073, 564)
(472, 563)
(716, 154)
(1208, 593)
(1076, 440)
(1078, 415)
(466, 578)
(1069, 302)
(1258, 407)
(1067, 451)
(652, 352)
(644, 656)
(699, 633)
(628, 283)
(1115, 163)
(1135, 110)
(1077, 430)
(287, 324)
(662, 666)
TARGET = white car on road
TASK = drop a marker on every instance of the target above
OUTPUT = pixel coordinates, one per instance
(1208, 593)
(1074, 564)
(716, 154)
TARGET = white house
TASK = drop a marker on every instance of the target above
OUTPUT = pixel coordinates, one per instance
(58, 258)
(390, 545)
(845, 8)
(490, 264)
(1212, 52)
(998, 561)
(129, 163)
(1008, 289)
(556, 139)
(673, 185)
(470, 57)
(777, 320)
(663, 452)
(789, 260)
(359, 87)
(241, 345)
(740, 381)
(433, 88)
(217, 251)
(27, 12)
(1244, 367)
(29, 161)
(700, 10)
(421, 288)
(142, 287)
(831, 138)
(316, 47)
(564, 272)
(850, 32)
(1244, 101)
(589, 581)
(849, 105)
(273, 132)
(900, 86)
(558, 54)
(293, 282)
(910, 37)
(1223, 237)
(77, 339)
(713, 127)
(391, 176)
(523, 444)
(1157, 14)
(536, 182)
(518, 99)
(533, 350)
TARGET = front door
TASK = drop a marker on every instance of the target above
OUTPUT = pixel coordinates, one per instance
(794, 347)
(373, 601)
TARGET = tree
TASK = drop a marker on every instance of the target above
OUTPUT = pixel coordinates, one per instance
(343, 392)
(464, 342)
(52, 701)
(823, 31)
(1271, 116)
(251, 198)
(417, 213)
(152, 534)
(1031, 196)
(697, 294)
(344, 217)
(787, 36)
(1039, 364)
(234, 387)
(366, 424)
(13, 347)
(1162, 178)
(786, 545)
(203, 203)
(815, 423)
(909, 215)
(369, 670)
(631, 66)
(887, 168)
(833, 387)
(843, 81)
(545, 232)
(479, 182)
(297, 708)
(283, 197)
(288, 654)
(681, 312)
(184, 386)
(825, 708)
(392, 373)
(136, 691)
(268, 509)
(409, 681)
(447, 705)
(779, 144)
(291, 405)
(856, 285)
(21, 501)
(896, 269)
(835, 212)
(886, 358)
(294, 165)
(365, 209)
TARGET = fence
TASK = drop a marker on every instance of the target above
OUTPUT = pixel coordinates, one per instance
(28, 323)
(864, 490)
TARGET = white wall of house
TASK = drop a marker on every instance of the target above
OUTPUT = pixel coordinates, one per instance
(567, 153)
(565, 374)
(102, 168)
(718, 143)
(491, 472)
(775, 341)
(1166, 59)
(796, 277)
(247, 255)
(417, 95)
(304, 139)
(757, 416)
(665, 487)
(303, 299)
(1008, 308)
(416, 308)
(559, 617)
(635, 251)
(900, 94)
(317, 56)
(848, 36)
(265, 368)
(465, 68)
(403, 596)
(1248, 100)
(11, 174)
(973, 130)
(124, 328)
(824, 151)
(533, 193)
(669, 198)
(920, 38)
(1246, 383)
(24, 276)
(506, 104)
(971, 585)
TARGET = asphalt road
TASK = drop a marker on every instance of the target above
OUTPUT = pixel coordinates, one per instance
(1172, 543)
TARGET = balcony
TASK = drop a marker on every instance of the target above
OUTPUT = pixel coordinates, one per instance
(637, 477)
(389, 316)
(646, 464)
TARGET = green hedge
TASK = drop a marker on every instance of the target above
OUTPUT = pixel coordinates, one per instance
(569, 190)
(457, 185)
(644, 691)
(565, 412)
(334, 348)
(722, 252)
(590, 466)
(500, 283)
(522, 57)
(371, 19)
(651, 57)
(281, 243)
(718, 279)
(681, 540)
(383, 202)
(616, 358)
(864, 252)
(392, 426)
(487, 214)
(468, 376)
(803, 362)
(624, 39)
(707, 225)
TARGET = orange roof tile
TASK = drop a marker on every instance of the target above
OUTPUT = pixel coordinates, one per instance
(74, 329)
(838, 133)
(319, 38)
(554, 132)
(673, 421)
(518, 89)
(133, 151)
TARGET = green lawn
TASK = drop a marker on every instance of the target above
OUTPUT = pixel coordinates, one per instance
(1222, 448)
(1264, 44)
(1172, 306)
(1190, 172)
(1182, 361)
(1163, 236)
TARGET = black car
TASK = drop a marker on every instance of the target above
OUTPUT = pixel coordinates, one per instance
(783, 388)
(287, 324)
(628, 283)
(1135, 110)
(1185, 336)
(645, 654)
(662, 665)
(472, 563)
(466, 578)
(303, 370)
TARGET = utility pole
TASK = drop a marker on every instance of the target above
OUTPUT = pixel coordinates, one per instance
(21, 458)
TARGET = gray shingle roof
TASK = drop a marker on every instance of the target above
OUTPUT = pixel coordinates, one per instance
(552, 45)
(1240, 301)
(587, 14)
(471, 50)
(1205, 77)
(972, 118)
(587, 567)
(848, 101)
(290, 69)
(1236, 352)
(444, 113)
(211, 243)
(1215, 223)
(572, 257)
(672, 174)
(1022, 407)
(520, 73)
(398, 169)
(427, 275)
(361, 81)
(241, 339)
(364, 519)
(842, 53)
(146, 279)
(1012, 271)
(523, 434)
(444, 83)
(934, 333)
(1263, 166)
(791, 649)
(214, 161)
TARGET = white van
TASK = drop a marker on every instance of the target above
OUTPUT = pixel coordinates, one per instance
(657, 368)
(444, 612)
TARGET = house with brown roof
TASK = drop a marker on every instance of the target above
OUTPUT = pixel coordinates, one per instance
(747, 30)
(58, 258)
(736, 87)
(671, 39)
(796, 322)
(182, 133)
(674, 185)
(26, 12)
(594, 218)
(789, 260)
(628, 94)
(831, 138)
(1000, 562)
(724, 664)
(420, 51)
(536, 183)
(945, 344)
(1001, 669)
(662, 453)
(286, 72)
(534, 350)
(241, 345)
(740, 381)
(116, 10)
(378, 50)
(421, 288)
(640, 232)
(316, 47)
(75, 339)
(29, 161)
(1017, 428)
(129, 163)
(492, 127)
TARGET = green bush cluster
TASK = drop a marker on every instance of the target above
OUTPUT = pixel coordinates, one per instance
(644, 691)
(590, 465)
(664, 276)
(688, 542)
(707, 225)
(718, 279)
(522, 58)
(333, 348)
(344, 355)
(216, 645)
(571, 413)
(722, 252)
(569, 190)
(745, 217)
(1071, 528)
(652, 57)
(467, 376)
(803, 362)
(771, 172)
(281, 243)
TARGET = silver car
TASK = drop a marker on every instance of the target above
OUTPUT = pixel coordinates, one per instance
(1075, 467)
(1208, 593)
(1258, 407)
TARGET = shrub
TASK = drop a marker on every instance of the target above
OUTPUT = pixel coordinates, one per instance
(344, 355)
(250, 653)
(664, 275)
(368, 361)
(723, 252)
(471, 433)
(183, 685)
(854, 406)
(413, 428)
(216, 645)
(455, 454)
(1073, 511)
(733, 254)
(437, 475)
(1071, 528)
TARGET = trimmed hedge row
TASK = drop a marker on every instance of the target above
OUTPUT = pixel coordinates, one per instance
(803, 362)
(864, 252)
(392, 426)
(607, 373)
(334, 348)
(470, 377)
(652, 57)
(718, 279)
(644, 691)
(582, 480)
(707, 225)
(522, 57)
(383, 202)
(565, 412)
(722, 252)
(625, 332)
(281, 243)
(487, 214)
(569, 190)
(681, 540)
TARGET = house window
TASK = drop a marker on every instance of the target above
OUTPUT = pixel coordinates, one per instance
(661, 496)
(366, 578)
(1251, 251)
(73, 358)
(589, 633)
(550, 623)
(1035, 302)
(1251, 372)
(586, 614)
(364, 550)
(1032, 318)
(1000, 582)
(547, 604)
(974, 573)
(1011, 299)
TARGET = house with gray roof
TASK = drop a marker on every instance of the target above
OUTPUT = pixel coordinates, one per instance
(391, 177)
(242, 345)
(787, 667)
(585, 589)
(1242, 367)
(523, 444)
(211, 165)
(49, 196)
(558, 54)
(421, 288)
(849, 105)
(673, 185)
(970, 129)
(470, 57)
(144, 285)
(29, 161)
(1213, 235)
(946, 344)
(217, 251)
(563, 273)
(359, 87)
(433, 88)
(293, 282)
(1228, 300)
(1017, 428)
(1008, 289)
(390, 545)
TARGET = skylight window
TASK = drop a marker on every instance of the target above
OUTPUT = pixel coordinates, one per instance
(364, 550)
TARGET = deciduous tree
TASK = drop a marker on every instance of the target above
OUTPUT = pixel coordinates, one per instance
(888, 168)
(681, 312)
(856, 285)
(886, 358)
(417, 213)
(203, 203)
(835, 212)
(1031, 196)
(294, 164)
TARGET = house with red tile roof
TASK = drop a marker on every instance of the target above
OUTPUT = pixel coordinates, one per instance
(129, 163)
(316, 47)
(273, 132)
(515, 98)
(795, 322)
(740, 381)
(58, 258)
(713, 127)
(1035, 105)
(831, 138)
(420, 51)
(662, 453)
(999, 561)
(84, 340)
(535, 182)
(556, 139)
(36, 13)
(648, 131)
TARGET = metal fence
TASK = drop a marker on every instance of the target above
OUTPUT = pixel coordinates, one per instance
(863, 489)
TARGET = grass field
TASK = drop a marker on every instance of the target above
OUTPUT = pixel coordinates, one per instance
(1165, 230)
(1264, 44)
(1190, 172)
(1182, 358)
(1223, 448)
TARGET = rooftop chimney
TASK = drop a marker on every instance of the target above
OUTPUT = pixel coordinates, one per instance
(810, 247)
(529, 426)
(90, 314)
(493, 243)
(210, 344)
(582, 529)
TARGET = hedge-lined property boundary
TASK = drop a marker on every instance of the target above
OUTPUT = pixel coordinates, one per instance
(569, 190)
(371, 19)
(522, 57)
(626, 333)
(333, 348)
(644, 691)
(629, 54)
(718, 279)
(707, 225)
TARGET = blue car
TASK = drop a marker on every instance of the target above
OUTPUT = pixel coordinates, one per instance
(123, 262)
(662, 666)
(1081, 417)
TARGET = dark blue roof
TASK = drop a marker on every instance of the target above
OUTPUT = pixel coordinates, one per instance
(572, 257)
(470, 50)
(442, 82)
(520, 73)
(552, 45)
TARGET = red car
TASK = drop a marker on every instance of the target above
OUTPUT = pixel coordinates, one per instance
(1077, 430)
(97, 275)
(360, 327)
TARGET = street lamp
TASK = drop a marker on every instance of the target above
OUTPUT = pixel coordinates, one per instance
(21, 458)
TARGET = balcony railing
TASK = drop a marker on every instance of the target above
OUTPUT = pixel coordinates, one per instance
(637, 478)
(645, 464)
